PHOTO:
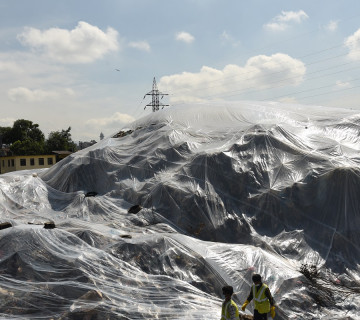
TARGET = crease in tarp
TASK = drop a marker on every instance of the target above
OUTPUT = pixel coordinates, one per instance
(227, 189)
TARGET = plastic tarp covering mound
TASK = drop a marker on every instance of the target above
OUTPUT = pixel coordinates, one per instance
(222, 191)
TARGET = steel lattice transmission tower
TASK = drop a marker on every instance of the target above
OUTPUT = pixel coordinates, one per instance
(155, 93)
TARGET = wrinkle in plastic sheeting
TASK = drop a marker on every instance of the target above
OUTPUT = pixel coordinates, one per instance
(223, 190)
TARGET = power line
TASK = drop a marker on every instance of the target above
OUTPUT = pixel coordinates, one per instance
(184, 90)
(246, 90)
(155, 93)
(307, 90)
(329, 92)
(226, 94)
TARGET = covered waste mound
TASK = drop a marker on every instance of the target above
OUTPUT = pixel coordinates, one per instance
(152, 221)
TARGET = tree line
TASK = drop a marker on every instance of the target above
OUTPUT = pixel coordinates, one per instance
(25, 138)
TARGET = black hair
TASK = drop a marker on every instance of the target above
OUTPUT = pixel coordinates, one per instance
(256, 277)
(227, 290)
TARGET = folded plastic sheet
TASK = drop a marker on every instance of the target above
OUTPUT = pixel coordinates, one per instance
(226, 190)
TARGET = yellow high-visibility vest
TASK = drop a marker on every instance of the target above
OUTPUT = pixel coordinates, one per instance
(225, 314)
(261, 301)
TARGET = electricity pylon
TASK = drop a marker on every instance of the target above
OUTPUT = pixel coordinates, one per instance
(155, 93)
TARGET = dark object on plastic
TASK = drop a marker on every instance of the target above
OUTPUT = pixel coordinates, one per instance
(121, 134)
(5, 225)
(49, 225)
(126, 236)
(91, 194)
(135, 209)
(309, 271)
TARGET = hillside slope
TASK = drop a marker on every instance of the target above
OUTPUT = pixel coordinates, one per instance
(226, 190)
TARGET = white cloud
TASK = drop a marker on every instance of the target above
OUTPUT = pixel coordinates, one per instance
(288, 100)
(282, 21)
(342, 84)
(141, 45)
(116, 120)
(276, 26)
(227, 38)
(288, 16)
(185, 37)
(28, 95)
(84, 44)
(29, 67)
(353, 43)
(260, 72)
(7, 122)
(332, 25)
(9, 66)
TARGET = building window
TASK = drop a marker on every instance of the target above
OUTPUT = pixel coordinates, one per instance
(41, 161)
(13, 162)
(32, 161)
(8, 162)
(50, 161)
(23, 162)
(3, 163)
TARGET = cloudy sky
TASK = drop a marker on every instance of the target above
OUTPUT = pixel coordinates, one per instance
(87, 64)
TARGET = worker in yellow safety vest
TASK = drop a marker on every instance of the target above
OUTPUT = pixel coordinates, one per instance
(229, 310)
(263, 300)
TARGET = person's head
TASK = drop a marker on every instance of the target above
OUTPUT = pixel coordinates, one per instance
(227, 292)
(256, 278)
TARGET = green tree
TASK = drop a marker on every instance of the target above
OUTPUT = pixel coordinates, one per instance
(25, 129)
(27, 147)
(60, 141)
(26, 138)
(5, 135)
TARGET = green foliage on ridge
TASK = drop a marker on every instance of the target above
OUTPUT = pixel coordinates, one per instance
(26, 138)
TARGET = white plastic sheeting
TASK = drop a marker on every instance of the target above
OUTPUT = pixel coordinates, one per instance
(226, 190)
